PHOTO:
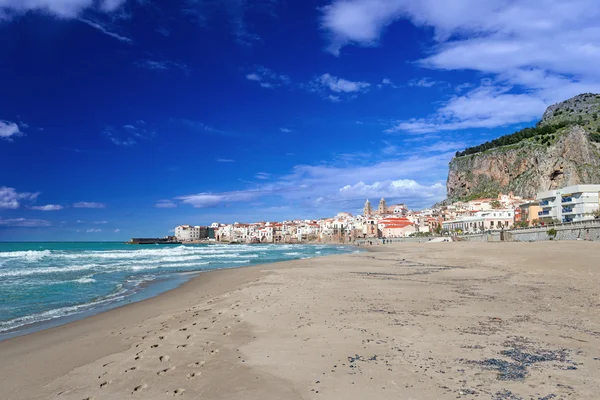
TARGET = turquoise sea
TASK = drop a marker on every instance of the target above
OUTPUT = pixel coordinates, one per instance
(45, 284)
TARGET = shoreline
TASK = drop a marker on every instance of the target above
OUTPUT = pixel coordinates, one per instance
(398, 321)
(153, 287)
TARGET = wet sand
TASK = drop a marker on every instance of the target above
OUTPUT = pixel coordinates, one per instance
(403, 321)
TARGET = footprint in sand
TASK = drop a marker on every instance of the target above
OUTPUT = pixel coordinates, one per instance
(154, 346)
(104, 384)
(193, 375)
(140, 387)
(182, 346)
(131, 369)
(197, 364)
(165, 371)
(164, 358)
(178, 392)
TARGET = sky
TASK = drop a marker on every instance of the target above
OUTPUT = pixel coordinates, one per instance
(125, 118)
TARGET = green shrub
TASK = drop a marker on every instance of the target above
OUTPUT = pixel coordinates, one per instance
(551, 233)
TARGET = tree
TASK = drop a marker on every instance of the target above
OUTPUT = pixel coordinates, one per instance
(551, 233)
(522, 224)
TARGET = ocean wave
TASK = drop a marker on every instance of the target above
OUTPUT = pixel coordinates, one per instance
(29, 255)
(292, 254)
(47, 270)
(86, 279)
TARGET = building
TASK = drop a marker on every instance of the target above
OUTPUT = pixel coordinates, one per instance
(569, 204)
(382, 209)
(528, 212)
(367, 210)
(482, 221)
(188, 233)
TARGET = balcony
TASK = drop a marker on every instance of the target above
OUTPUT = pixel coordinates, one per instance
(567, 210)
(543, 213)
(544, 203)
(567, 199)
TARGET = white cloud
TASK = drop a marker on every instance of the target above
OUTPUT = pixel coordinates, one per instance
(340, 85)
(98, 26)
(203, 200)
(162, 65)
(405, 190)
(48, 207)
(268, 78)
(225, 160)
(117, 230)
(9, 130)
(423, 82)
(165, 204)
(130, 134)
(263, 175)
(60, 8)
(93, 230)
(286, 130)
(11, 199)
(536, 52)
(100, 222)
(484, 107)
(24, 223)
(87, 204)
(308, 183)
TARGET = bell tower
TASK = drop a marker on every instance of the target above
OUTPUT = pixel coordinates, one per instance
(367, 210)
(382, 206)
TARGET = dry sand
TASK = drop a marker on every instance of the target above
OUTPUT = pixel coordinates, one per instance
(404, 321)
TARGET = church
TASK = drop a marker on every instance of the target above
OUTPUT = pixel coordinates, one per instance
(383, 209)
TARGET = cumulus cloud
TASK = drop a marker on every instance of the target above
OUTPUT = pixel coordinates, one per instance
(93, 230)
(534, 52)
(267, 78)
(328, 187)
(88, 204)
(48, 207)
(165, 204)
(225, 160)
(24, 223)
(117, 230)
(11, 199)
(9, 130)
(405, 190)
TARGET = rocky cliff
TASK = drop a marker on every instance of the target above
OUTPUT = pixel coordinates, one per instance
(562, 150)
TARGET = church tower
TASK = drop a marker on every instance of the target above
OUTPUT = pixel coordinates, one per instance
(382, 207)
(367, 210)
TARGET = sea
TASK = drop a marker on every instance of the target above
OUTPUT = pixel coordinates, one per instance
(48, 284)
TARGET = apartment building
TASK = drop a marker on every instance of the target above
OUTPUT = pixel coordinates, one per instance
(569, 204)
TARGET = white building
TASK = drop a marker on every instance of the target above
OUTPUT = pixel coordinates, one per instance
(188, 233)
(569, 204)
(492, 220)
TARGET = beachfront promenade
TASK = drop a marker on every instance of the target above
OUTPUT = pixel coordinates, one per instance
(401, 321)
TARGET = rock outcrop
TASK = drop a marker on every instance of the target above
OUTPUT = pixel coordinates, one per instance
(569, 156)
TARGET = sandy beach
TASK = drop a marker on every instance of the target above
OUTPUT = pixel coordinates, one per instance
(403, 321)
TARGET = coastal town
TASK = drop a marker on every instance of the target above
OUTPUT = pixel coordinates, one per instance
(506, 211)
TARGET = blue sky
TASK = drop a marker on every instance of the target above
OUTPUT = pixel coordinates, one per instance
(123, 118)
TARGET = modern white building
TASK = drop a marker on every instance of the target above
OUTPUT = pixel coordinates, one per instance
(569, 204)
(492, 220)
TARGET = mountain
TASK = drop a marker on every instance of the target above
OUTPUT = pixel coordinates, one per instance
(562, 149)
